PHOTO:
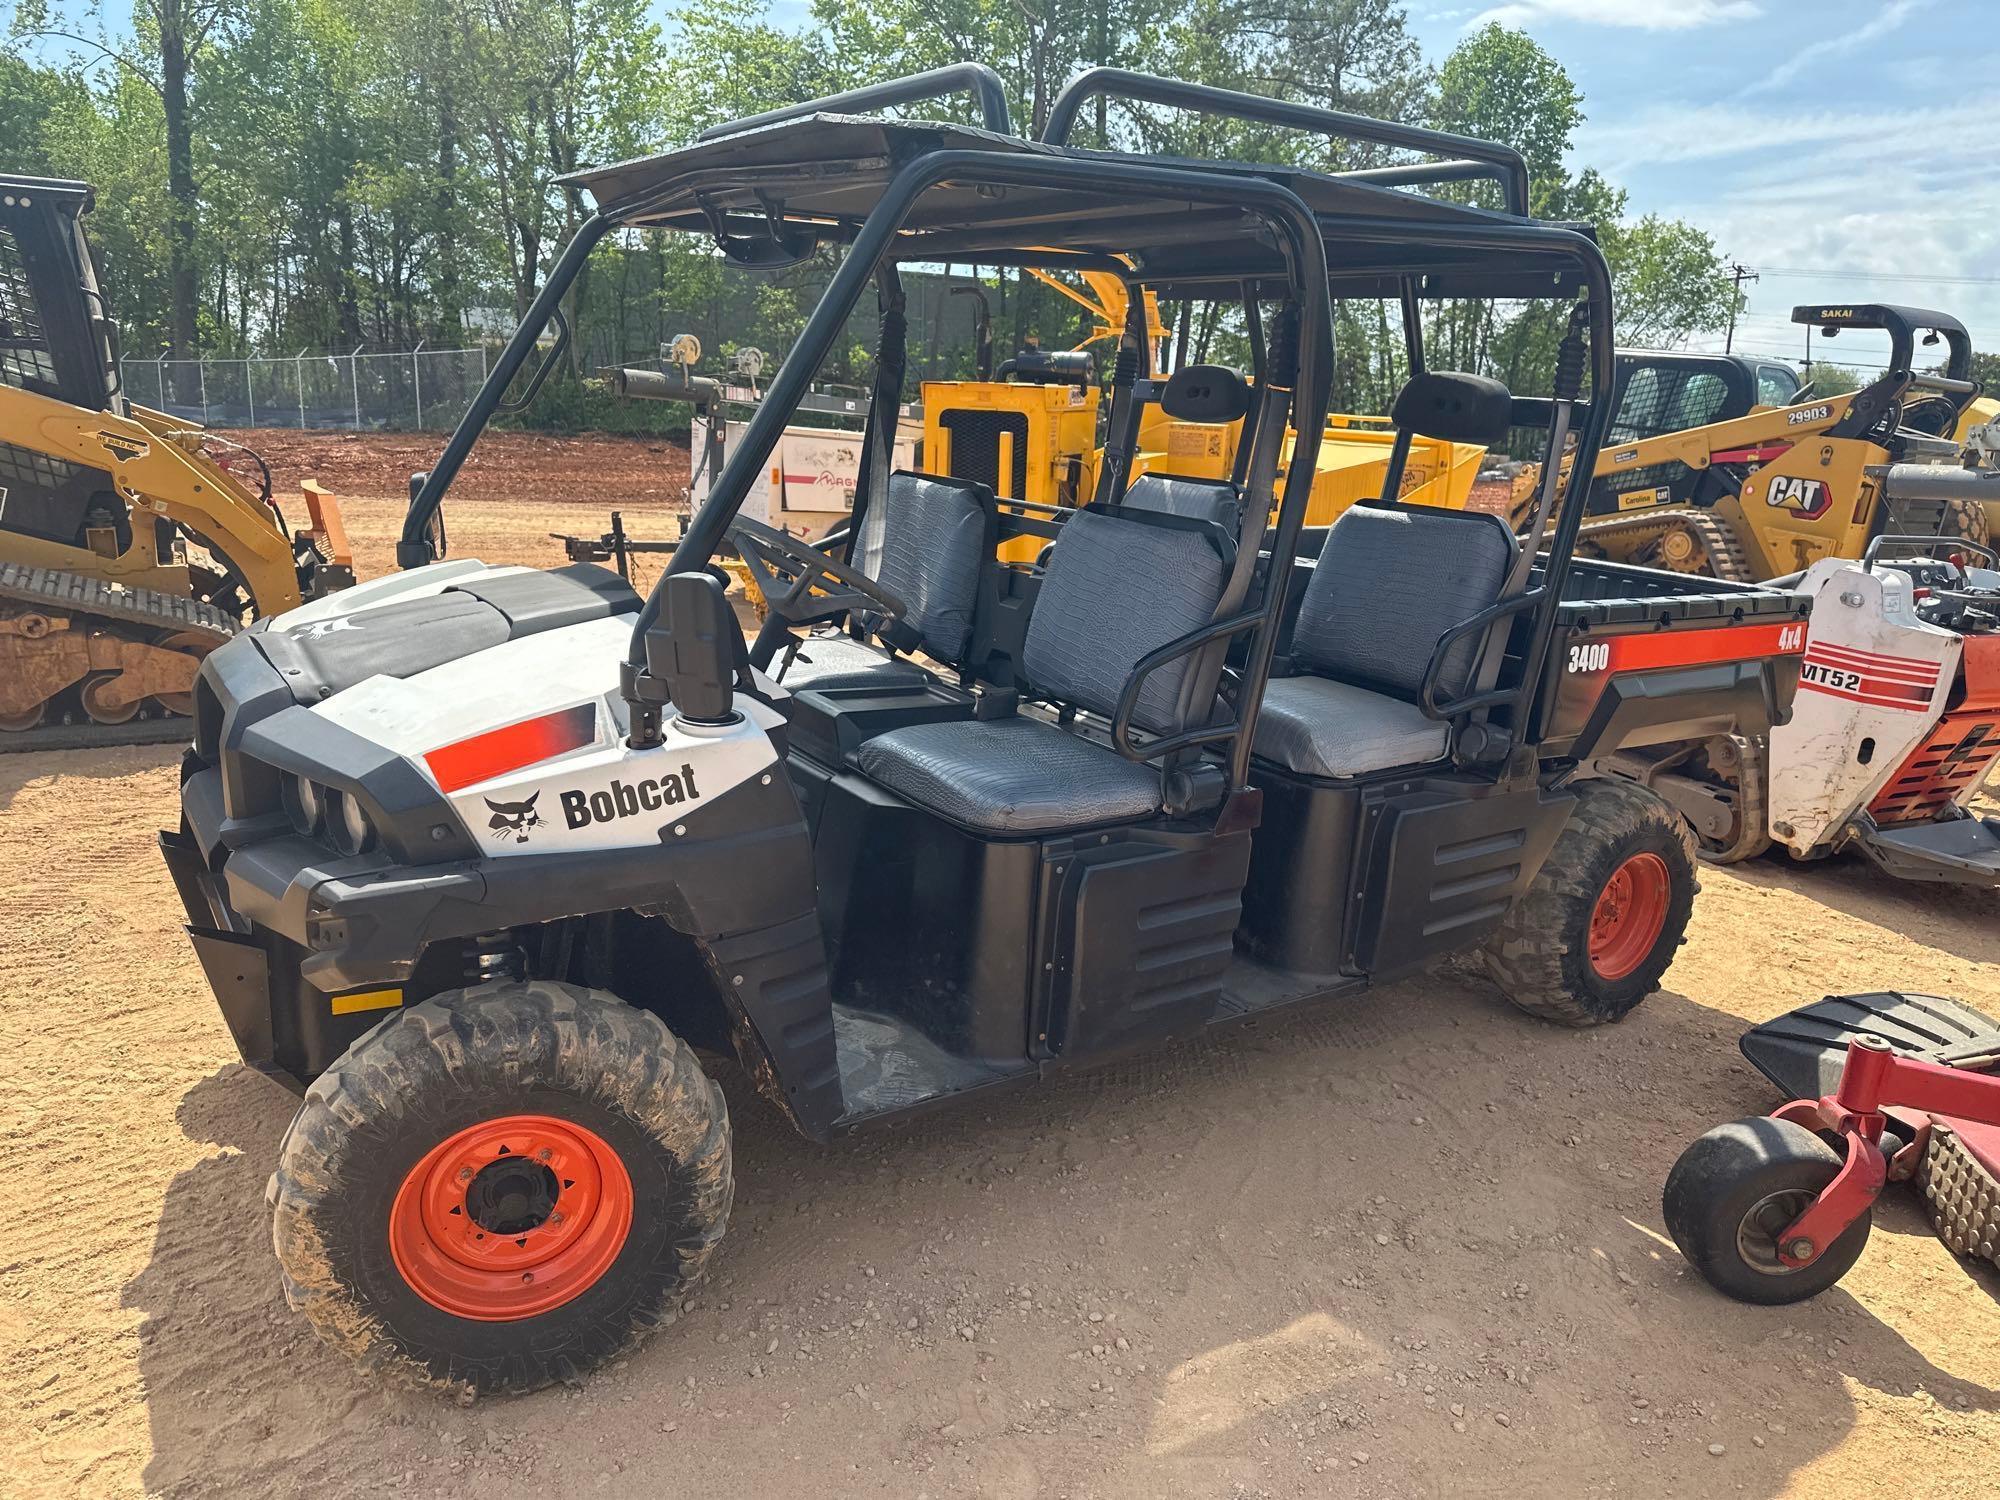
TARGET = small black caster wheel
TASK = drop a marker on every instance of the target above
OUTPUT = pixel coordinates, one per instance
(1735, 1189)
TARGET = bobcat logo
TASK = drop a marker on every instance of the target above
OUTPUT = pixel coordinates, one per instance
(319, 629)
(515, 818)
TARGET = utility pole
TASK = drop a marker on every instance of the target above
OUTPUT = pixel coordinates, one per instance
(1738, 274)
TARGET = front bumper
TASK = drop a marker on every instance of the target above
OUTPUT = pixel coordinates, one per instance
(282, 1024)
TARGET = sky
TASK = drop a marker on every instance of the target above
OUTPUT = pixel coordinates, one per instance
(1847, 150)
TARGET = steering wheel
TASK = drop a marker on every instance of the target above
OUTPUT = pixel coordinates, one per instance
(803, 584)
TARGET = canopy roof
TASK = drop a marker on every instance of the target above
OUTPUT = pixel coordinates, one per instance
(827, 172)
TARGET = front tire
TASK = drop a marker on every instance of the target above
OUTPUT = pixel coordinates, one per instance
(1606, 912)
(501, 1187)
(1731, 1193)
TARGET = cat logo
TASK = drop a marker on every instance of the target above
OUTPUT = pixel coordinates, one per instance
(1658, 494)
(1808, 499)
(123, 448)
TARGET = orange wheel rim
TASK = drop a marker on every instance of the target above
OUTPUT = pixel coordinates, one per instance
(1630, 915)
(511, 1217)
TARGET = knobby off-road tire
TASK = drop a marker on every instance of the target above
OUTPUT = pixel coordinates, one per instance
(1732, 1192)
(1967, 520)
(501, 1187)
(1544, 957)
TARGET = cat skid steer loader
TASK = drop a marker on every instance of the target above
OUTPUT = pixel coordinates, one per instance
(1771, 493)
(128, 547)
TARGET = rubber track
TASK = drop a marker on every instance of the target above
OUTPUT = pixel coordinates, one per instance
(1753, 788)
(1961, 1196)
(1719, 544)
(75, 595)
(166, 729)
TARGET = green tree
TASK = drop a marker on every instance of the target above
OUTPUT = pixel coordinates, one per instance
(1834, 380)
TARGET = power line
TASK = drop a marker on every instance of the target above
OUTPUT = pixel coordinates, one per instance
(1900, 276)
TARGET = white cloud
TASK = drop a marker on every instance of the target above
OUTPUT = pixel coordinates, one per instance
(1797, 191)
(1637, 15)
(1889, 18)
(1672, 131)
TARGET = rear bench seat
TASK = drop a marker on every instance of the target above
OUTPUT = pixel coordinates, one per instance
(1391, 580)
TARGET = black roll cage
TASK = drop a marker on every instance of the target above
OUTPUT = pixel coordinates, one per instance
(1302, 241)
(1476, 159)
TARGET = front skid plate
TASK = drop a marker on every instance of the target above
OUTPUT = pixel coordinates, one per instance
(1802, 1050)
(1955, 851)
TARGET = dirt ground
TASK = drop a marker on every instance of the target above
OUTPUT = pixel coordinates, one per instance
(1408, 1246)
(503, 465)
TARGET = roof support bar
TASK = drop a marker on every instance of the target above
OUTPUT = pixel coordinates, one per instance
(971, 78)
(1119, 83)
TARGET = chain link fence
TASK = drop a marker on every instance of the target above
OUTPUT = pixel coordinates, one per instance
(414, 390)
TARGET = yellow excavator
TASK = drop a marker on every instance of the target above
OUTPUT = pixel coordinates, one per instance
(1770, 492)
(1029, 428)
(129, 546)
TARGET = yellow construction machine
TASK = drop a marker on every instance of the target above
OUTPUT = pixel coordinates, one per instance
(1029, 428)
(1769, 492)
(129, 547)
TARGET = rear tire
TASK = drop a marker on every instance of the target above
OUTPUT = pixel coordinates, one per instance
(1735, 1188)
(1606, 912)
(501, 1187)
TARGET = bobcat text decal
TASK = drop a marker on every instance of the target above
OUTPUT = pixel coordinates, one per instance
(624, 799)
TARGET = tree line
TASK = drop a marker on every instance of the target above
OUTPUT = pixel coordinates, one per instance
(283, 174)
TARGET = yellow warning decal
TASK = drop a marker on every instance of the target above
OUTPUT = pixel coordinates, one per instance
(347, 1005)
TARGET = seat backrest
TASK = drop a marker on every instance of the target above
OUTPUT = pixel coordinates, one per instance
(1205, 393)
(1195, 393)
(1211, 500)
(1390, 581)
(1118, 585)
(1455, 407)
(924, 539)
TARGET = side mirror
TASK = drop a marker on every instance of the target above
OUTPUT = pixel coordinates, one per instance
(693, 648)
(432, 547)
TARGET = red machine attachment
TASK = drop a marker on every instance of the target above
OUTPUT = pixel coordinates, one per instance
(1775, 1209)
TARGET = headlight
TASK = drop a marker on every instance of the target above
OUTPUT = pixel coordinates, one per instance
(305, 804)
(349, 826)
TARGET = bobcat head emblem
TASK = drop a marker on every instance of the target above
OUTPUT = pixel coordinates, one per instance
(514, 817)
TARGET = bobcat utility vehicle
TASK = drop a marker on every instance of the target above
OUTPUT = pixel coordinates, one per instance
(487, 859)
